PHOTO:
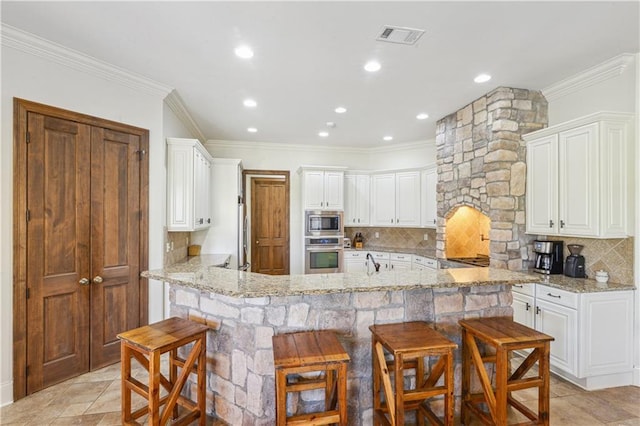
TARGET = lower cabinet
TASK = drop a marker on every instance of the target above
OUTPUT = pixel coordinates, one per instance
(420, 263)
(356, 261)
(400, 262)
(592, 331)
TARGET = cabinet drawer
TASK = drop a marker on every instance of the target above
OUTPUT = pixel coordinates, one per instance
(354, 255)
(527, 289)
(554, 295)
(400, 257)
(425, 261)
(379, 255)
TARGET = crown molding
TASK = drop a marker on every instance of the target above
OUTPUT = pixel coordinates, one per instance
(601, 72)
(314, 148)
(37, 46)
(176, 104)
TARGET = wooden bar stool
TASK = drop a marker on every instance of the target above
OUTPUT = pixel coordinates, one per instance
(305, 352)
(504, 335)
(409, 343)
(146, 344)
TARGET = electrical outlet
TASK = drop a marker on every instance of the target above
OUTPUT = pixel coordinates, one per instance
(377, 234)
(171, 245)
(168, 247)
(426, 237)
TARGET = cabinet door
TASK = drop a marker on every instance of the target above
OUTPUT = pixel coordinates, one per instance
(614, 184)
(542, 186)
(313, 189)
(561, 323)
(578, 177)
(363, 187)
(383, 199)
(202, 174)
(355, 265)
(333, 191)
(606, 338)
(400, 266)
(180, 192)
(408, 199)
(523, 309)
(350, 200)
(428, 197)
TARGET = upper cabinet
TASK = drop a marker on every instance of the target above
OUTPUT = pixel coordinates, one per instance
(395, 199)
(577, 177)
(188, 185)
(356, 199)
(323, 189)
(429, 207)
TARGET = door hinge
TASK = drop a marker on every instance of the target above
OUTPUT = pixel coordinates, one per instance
(28, 292)
(28, 215)
(28, 137)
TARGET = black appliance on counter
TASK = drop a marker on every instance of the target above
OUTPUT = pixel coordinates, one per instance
(549, 256)
(574, 265)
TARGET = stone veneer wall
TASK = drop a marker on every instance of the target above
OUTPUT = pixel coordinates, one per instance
(481, 163)
(240, 372)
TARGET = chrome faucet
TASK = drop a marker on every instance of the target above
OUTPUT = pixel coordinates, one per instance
(375, 264)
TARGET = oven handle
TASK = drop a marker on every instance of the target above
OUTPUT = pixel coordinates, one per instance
(325, 248)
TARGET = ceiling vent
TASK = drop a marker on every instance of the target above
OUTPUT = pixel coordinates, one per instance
(399, 35)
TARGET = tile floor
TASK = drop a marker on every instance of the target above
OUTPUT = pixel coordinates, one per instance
(94, 399)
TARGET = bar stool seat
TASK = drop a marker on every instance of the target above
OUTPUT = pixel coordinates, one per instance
(146, 344)
(409, 343)
(504, 335)
(306, 352)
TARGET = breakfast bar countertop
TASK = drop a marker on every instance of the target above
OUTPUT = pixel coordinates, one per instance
(199, 273)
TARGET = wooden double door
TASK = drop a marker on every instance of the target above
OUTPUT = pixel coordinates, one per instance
(84, 233)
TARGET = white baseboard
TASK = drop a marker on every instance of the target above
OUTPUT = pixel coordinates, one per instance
(6, 393)
(636, 376)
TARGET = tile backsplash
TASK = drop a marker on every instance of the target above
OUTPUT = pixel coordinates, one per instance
(612, 255)
(179, 252)
(407, 238)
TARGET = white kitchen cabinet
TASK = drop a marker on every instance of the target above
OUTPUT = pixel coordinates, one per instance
(420, 263)
(188, 185)
(355, 261)
(592, 331)
(428, 198)
(395, 199)
(577, 180)
(323, 189)
(356, 199)
(400, 261)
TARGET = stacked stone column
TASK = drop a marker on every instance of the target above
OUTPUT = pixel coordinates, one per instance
(481, 163)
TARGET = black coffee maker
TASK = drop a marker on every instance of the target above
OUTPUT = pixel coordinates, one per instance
(574, 265)
(549, 256)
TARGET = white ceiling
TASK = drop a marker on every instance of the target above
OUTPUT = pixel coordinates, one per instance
(309, 57)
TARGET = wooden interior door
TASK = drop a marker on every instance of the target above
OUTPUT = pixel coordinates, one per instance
(58, 242)
(269, 226)
(115, 248)
(80, 242)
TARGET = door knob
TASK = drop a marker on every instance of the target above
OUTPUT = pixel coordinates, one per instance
(84, 281)
(97, 279)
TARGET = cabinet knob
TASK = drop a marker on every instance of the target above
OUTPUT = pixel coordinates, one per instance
(97, 279)
(84, 281)
(537, 310)
(528, 306)
(550, 223)
(562, 224)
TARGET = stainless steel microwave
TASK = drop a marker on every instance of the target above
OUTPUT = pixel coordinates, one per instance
(323, 223)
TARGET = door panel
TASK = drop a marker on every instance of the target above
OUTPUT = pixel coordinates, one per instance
(115, 210)
(57, 250)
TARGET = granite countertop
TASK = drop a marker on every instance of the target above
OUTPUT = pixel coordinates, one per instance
(580, 285)
(200, 274)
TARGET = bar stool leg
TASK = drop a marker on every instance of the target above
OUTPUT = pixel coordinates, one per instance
(398, 369)
(543, 390)
(502, 371)
(466, 378)
(448, 380)
(202, 375)
(125, 372)
(154, 388)
(342, 393)
(281, 398)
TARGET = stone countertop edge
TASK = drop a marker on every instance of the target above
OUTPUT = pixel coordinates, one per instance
(200, 273)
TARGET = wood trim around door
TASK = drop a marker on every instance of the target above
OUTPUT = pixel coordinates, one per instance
(21, 108)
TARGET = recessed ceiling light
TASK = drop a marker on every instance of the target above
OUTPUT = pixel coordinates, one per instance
(340, 110)
(252, 129)
(372, 66)
(244, 52)
(388, 138)
(422, 116)
(323, 134)
(482, 78)
(250, 103)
